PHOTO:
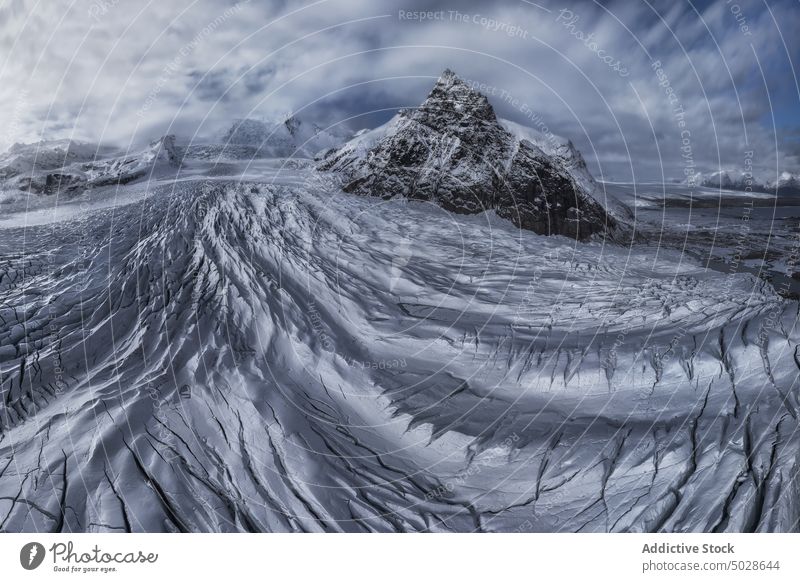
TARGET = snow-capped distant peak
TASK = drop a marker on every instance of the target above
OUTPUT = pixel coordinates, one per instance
(731, 179)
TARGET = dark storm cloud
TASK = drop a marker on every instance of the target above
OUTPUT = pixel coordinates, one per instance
(210, 86)
(106, 70)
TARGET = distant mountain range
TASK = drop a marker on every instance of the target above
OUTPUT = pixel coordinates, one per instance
(293, 137)
(66, 167)
(785, 183)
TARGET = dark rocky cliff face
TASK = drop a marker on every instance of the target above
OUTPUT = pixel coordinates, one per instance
(452, 150)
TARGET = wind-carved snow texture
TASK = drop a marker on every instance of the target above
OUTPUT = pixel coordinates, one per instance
(272, 354)
(507, 381)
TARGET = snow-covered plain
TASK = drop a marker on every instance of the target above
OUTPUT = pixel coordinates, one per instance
(269, 354)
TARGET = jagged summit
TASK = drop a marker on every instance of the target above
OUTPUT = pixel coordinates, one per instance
(452, 100)
(453, 150)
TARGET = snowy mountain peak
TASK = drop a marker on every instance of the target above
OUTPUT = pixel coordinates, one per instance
(454, 151)
(67, 167)
(289, 138)
(449, 82)
(451, 100)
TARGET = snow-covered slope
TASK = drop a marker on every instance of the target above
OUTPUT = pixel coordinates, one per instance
(157, 158)
(229, 356)
(454, 151)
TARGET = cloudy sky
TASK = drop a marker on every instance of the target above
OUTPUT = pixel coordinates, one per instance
(646, 89)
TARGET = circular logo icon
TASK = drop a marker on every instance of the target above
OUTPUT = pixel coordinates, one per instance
(31, 555)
